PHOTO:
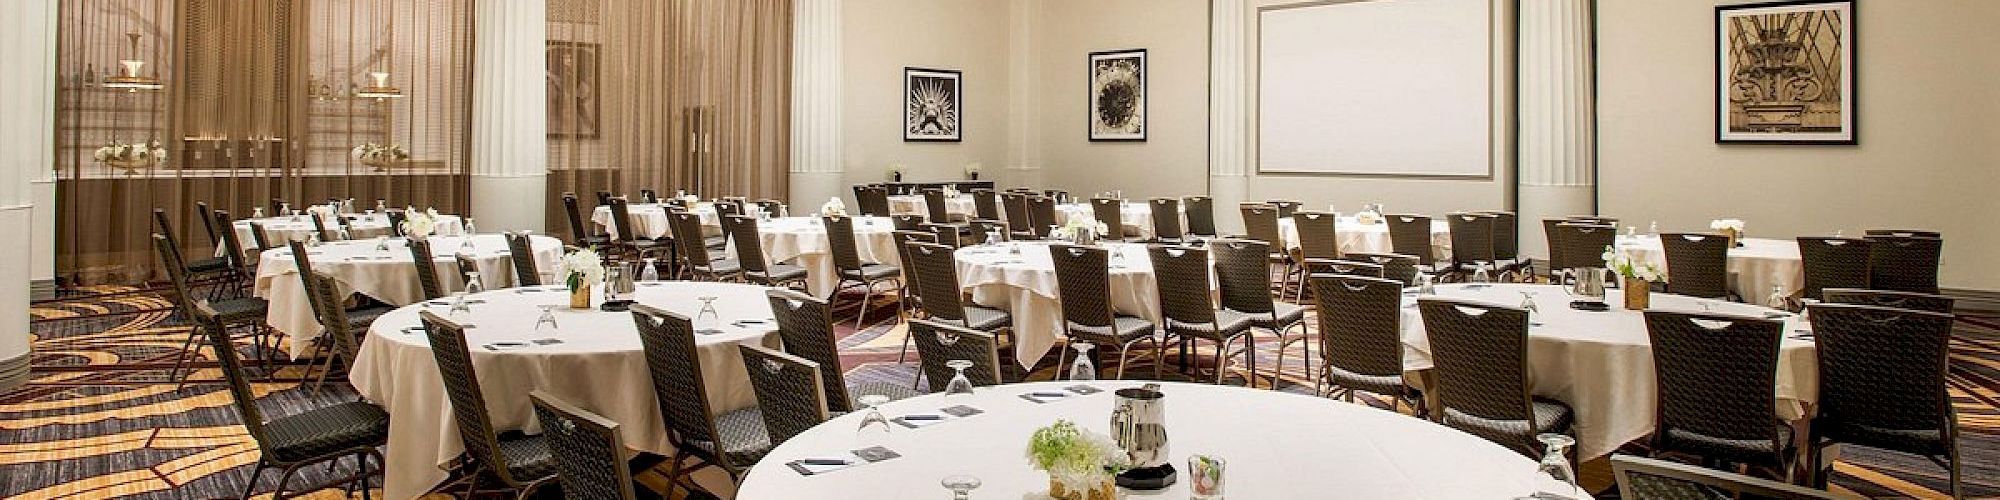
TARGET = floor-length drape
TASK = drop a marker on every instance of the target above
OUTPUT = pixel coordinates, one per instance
(691, 95)
(258, 103)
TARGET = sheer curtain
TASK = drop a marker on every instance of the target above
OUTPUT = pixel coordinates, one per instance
(256, 102)
(673, 95)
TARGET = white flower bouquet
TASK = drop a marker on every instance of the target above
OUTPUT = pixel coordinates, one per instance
(1077, 460)
(131, 156)
(379, 155)
(419, 225)
(1626, 267)
(1076, 225)
(1733, 228)
(581, 268)
(833, 208)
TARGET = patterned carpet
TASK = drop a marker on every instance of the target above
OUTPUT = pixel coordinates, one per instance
(102, 419)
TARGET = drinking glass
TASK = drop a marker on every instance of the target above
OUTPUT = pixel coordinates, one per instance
(961, 485)
(382, 244)
(1840, 233)
(1555, 463)
(469, 227)
(312, 239)
(1425, 285)
(1631, 231)
(465, 243)
(458, 304)
(256, 212)
(1778, 299)
(1081, 369)
(548, 318)
(873, 424)
(707, 317)
(1205, 476)
(1654, 228)
(959, 385)
(1479, 275)
(1528, 303)
(473, 284)
(342, 234)
(649, 273)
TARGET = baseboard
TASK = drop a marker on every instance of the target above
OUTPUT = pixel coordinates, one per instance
(1969, 300)
(40, 290)
(14, 371)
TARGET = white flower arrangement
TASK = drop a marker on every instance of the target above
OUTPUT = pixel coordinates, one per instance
(383, 153)
(1726, 225)
(1079, 459)
(950, 191)
(323, 212)
(833, 208)
(418, 224)
(1074, 225)
(131, 156)
(1625, 266)
(581, 267)
(1369, 216)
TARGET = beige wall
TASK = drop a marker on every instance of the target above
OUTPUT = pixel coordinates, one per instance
(880, 38)
(1173, 161)
(1399, 194)
(1929, 152)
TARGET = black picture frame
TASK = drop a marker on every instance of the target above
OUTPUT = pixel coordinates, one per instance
(946, 111)
(1129, 122)
(1790, 109)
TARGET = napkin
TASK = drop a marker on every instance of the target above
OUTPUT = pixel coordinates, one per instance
(1045, 396)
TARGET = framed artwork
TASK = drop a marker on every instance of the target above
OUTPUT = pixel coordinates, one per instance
(1118, 95)
(1785, 73)
(933, 105)
(573, 96)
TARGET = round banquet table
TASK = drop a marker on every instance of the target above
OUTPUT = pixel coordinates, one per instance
(387, 276)
(651, 218)
(363, 225)
(599, 365)
(1300, 447)
(912, 204)
(1356, 236)
(804, 239)
(1601, 363)
(1755, 267)
(1024, 285)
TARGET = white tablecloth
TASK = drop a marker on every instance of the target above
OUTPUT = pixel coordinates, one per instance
(599, 365)
(651, 218)
(1025, 285)
(804, 239)
(364, 225)
(911, 204)
(386, 276)
(1369, 238)
(1761, 263)
(1601, 363)
(1137, 215)
(1277, 445)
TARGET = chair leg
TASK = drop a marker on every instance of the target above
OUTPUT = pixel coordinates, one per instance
(187, 353)
(1062, 353)
(1222, 358)
(255, 473)
(1159, 355)
(906, 345)
(867, 296)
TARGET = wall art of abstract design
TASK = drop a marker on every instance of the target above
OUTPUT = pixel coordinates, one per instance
(933, 105)
(1118, 95)
(1785, 73)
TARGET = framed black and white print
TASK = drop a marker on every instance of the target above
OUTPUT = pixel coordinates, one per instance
(933, 105)
(1785, 73)
(1118, 95)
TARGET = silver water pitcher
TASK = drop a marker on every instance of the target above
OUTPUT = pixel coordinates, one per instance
(1139, 421)
(1589, 286)
(618, 282)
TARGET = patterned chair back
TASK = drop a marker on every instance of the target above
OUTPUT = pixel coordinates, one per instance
(1182, 273)
(1471, 237)
(170, 259)
(789, 391)
(1480, 352)
(520, 250)
(301, 258)
(1890, 298)
(1558, 260)
(578, 232)
(1285, 207)
(686, 229)
(1584, 243)
(982, 227)
(1166, 219)
(208, 320)
(319, 227)
(1714, 375)
(1016, 205)
(749, 246)
(935, 207)
(1506, 235)
(1042, 210)
(1243, 275)
(231, 246)
(985, 204)
(1319, 234)
(1360, 323)
(938, 343)
(467, 267)
(945, 234)
(1395, 267)
(1882, 376)
(1260, 222)
(937, 284)
(1646, 478)
(589, 455)
(1904, 263)
(1833, 263)
(621, 221)
(426, 264)
(907, 222)
(1083, 284)
(333, 316)
(806, 325)
(1200, 215)
(668, 340)
(1348, 268)
(840, 242)
(1698, 265)
(1593, 220)
(1111, 212)
(207, 221)
(1410, 234)
(468, 400)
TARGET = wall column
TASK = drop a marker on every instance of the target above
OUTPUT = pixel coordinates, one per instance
(1557, 160)
(27, 155)
(510, 145)
(1228, 119)
(1024, 152)
(816, 172)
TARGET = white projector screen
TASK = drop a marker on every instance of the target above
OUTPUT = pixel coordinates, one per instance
(1381, 87)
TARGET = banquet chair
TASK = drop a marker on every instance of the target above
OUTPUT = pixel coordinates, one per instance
(981, 228)
(1083, 287)
(589, 455)
(695, 261)
(579, 231)
(357, 318)
(939, 343)
(1410, 234)
(1395, 267)
(1480, 352)
(1042, 213)
(396, 217)
(1714, 374)
(229, 313)
(520, 251)
(1260, 223)
(757, 268)
(1167, 220)
(1904, 263)
(319, 228)
(733, 440)
(1285, 207)
(910, 302)
(770, 207)
(790, 395)
(345, 346)
(1584, 244)
(985, 204)
(1882, 384)
(322, 435)
(261, 237)
(603, 197)
(861, 201)
(1244, 285)
(805, 324)
(1650, 479)
(1055, 195)
(1361, 337)
(1903, 233)
(206, 270)
(1319, 243)
(875, 202)
(649, 196)
(1507, 244)
(468, 270)
(847, 264)
(1016, 205)
(943, 297)
(628, 243)
(937, 210)
(1832, 262)
(1471, 243)
(1890, 298)
(1200, 216)
(242, 265)
(278, 207)
(1188, 312)
(515, 460)
(426, 264)
(1698, 265)
(1111, 212)
(945, 234)
(1558, 259)
(908, 222)
(207, 216)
